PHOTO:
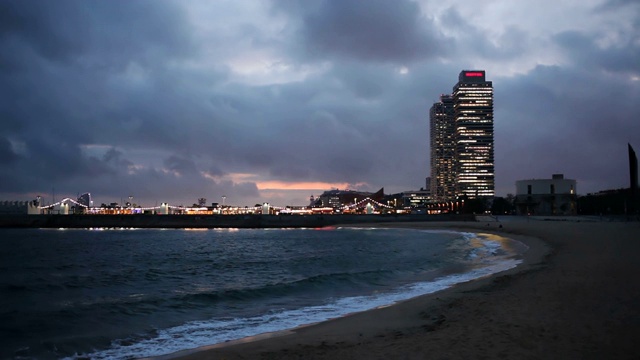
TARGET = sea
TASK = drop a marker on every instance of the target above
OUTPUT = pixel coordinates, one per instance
(132, 293)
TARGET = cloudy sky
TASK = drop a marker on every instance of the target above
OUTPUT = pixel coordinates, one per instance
(279, 100)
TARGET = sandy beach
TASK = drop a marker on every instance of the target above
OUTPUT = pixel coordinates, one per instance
(575, 296)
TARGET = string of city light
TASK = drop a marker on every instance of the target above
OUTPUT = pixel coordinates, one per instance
(367, 200)
(67, 200)
(64, 202)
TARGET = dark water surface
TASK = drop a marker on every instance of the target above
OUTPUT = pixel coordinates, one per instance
(130, 293)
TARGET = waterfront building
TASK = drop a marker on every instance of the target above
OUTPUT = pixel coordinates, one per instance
(474, 140)
(462, 141)
(416, 198)
(339, 198)
(442, 182)
(20, 207)
(85, 199)
(555, 196)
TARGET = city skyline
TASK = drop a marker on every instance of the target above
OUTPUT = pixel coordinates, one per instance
(264, 101)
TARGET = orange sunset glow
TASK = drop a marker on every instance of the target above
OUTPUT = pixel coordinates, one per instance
(311, 185)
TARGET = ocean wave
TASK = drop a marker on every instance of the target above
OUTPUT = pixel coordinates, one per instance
(154, 291)
(200, 333)
(307, 287)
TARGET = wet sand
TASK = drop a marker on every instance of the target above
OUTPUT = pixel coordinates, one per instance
(576, 296)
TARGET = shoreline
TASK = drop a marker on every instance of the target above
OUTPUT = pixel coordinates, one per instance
(536, 250)
(574, 296)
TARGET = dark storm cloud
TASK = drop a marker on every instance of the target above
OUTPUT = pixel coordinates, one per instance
(617, 51)
(365, 81)
(376, 31)
(333, 128)
(60, 66)
(511, 43)
(171, 101)
(7, 155)
(94, 33)
(558, 120)
(180, 165)
(75, 64)
(617, 4)
(620, 57)
(115, 160)
(297, 131)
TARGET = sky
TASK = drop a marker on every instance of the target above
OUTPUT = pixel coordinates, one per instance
(275, 101)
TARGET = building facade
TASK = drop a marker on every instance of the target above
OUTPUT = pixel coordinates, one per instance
(462, 140)
(443, 149)
(473, 112)
(416, 198)
(555, 196)
(20, 207)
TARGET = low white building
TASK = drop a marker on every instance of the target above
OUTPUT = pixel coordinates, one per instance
(19, 207)
(555, 196)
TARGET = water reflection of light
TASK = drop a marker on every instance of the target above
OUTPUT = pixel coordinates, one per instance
(226, 229)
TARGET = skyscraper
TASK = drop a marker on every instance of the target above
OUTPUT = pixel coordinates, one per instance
(461, 139)
(473, 112)
(443, 149)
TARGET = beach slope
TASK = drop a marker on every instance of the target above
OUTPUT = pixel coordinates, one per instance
(576, 296)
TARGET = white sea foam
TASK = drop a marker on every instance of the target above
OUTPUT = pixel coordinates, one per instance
(200, 333)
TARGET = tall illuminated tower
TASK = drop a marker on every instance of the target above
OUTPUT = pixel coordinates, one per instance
(443, 149)
(473, 113)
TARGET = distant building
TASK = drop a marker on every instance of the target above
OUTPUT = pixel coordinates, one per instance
(85, 199)
(339, 198)
(84, 202)
(555, 196)
(462, 141)
(442, 182)
(20, 207)
(164, 209)
(607, 202)
(473, 111)
(416, 198)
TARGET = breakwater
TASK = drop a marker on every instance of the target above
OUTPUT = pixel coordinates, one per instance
(210, 221)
